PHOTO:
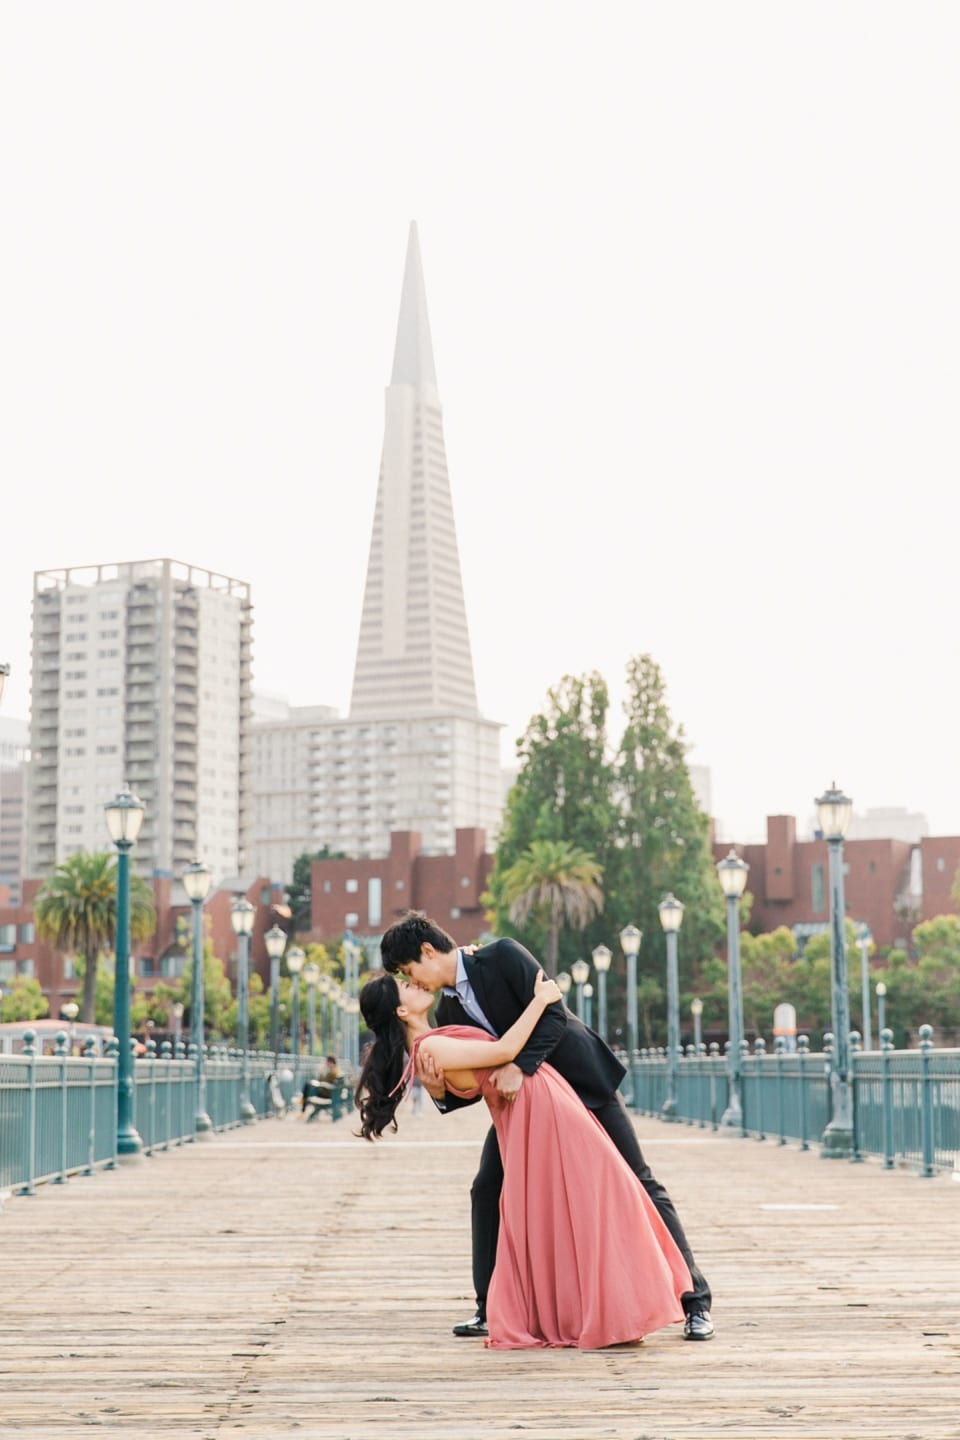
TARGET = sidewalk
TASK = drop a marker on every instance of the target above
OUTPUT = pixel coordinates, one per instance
(288, 1282)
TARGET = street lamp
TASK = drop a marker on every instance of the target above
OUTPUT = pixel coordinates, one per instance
(588, 1005)
(881, 1009)
(580, 971)
(4, 672)
(242, 915)
(323, 985)
(196, 882)
(295, 959)
(124, 817)
(733, 881)
(671, 915)
(311, 974)
(176, 1009)
(696, 1010)
(70, 1011)
(602, 955)
(630, 938)
(564, 981)
(834, 811)
(863, 938)
(275, 940)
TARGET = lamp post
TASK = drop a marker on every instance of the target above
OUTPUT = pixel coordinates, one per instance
(863, 936)
(275, 940)
(176, 1010)
(323, 985)
(881, 1008)
(630, 938)
(295, 959)
(196, 882)
(834, 810)
(671, 915)
(733, 881)
(602, 956)
(242, 915)
(311, 974)
(564, 981)
(124, 818)
(696, 1010)
(580, 971)
(70, 1011)
(4, 672)
(588, 1005)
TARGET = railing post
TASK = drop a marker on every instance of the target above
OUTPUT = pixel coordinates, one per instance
(855, 1049)
(886, 1080)
(29, 1049)
(803, 1050)
(61, 1054)
(744, 1053)
(714, 1057)
(926, 1100)
(760, 1050)
(112, 1052)
(90, 1054)
(780, 1048)
(166, 1053)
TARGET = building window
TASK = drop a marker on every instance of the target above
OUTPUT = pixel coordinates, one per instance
(8, 937)
(817, 889)
(351, 919)
(374, 901)
(455, 913)
(399, 884)
(27, 933)
(265, 895)
(941, 864)
(352, 886)
(25, 967)
(326, 887)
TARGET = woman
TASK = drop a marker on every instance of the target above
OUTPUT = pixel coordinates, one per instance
(561, 1278)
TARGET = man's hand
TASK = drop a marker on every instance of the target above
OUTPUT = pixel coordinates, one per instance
(507, 1080)
(429, 1075)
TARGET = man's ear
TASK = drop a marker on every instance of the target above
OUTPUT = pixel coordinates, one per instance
(427, 951)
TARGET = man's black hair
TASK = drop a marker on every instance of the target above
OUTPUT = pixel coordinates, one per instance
(402, 942)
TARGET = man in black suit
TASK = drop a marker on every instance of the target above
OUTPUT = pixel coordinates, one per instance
(490, 988)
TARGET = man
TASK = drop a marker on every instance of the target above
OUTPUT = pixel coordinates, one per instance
(490, 988)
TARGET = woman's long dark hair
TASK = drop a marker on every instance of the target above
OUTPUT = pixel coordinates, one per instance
(378, 1090)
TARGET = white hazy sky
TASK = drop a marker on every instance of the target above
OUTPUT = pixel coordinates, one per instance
(692, 272)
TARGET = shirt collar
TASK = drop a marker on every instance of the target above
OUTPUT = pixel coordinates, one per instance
(462, 983)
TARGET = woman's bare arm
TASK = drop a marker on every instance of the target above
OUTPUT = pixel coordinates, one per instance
(452, 1054)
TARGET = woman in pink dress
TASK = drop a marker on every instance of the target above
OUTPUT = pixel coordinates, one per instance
(583, 1258)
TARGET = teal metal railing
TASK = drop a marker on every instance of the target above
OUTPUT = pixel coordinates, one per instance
(906, 1103)
(58, 1113)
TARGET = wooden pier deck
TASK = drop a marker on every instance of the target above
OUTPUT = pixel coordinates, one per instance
(289, 1282)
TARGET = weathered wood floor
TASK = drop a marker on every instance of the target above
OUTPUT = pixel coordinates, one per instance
(291, 1281)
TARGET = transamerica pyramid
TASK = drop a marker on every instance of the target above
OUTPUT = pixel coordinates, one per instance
(413, 653)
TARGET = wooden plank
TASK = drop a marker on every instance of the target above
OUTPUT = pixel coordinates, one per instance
(290, 1281)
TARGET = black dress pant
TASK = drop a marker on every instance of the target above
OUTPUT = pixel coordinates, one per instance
(485, 1205)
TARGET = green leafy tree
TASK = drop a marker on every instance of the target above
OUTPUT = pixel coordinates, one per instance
(298, 891)
(564, 792)
(76, 910)
(24, 1000)
(557, 883)
(664, 835)
(924, 989)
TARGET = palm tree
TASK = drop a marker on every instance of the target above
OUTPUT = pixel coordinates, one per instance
(77, 910)
(556, 883)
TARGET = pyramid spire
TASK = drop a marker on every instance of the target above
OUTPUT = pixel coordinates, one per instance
(413, 655)
(413, 353)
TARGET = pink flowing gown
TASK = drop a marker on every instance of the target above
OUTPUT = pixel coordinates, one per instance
(583, 1257)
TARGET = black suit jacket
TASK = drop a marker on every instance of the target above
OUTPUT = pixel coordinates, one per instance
(502, 976)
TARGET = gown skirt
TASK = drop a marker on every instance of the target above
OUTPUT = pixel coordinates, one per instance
(583, 1257)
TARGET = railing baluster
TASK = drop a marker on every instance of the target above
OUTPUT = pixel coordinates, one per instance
(926, 1100)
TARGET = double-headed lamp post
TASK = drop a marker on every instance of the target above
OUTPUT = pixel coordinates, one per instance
(323, 985)
(4, 672)
(242, 915)
(881, 1011)
(295, 959)
(311, 974)
(834, 811)
(696, 1010)
(733, 881)
(630, 938)
(580, 971)
(864, 939)
(671, 915)
(196, 882)
(602, 955)
(124, 818)
(275, 940)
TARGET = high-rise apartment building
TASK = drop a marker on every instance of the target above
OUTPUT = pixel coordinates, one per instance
(13, 748)
(141, 675)
(414, 752)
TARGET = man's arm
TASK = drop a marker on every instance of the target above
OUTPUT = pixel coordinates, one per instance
(517, 969)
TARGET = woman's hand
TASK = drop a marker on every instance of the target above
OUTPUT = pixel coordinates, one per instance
(546, 990)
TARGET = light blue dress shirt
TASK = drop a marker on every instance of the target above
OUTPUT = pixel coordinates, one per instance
(463, 990)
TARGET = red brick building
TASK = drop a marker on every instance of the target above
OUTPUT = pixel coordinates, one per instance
(365, 896)
(890, 884)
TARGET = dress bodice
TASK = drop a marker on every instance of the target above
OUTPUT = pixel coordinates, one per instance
(456, 1032)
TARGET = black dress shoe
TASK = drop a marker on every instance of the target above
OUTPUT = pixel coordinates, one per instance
(698, 1326)
(476, 1326)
